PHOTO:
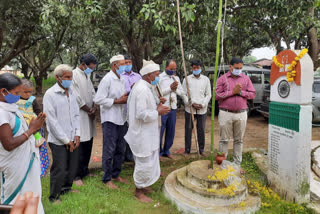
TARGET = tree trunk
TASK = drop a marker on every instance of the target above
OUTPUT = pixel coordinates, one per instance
(313, 46)
(24, 69)
(38, 79)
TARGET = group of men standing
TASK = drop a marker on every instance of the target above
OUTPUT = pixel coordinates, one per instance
(130, 106)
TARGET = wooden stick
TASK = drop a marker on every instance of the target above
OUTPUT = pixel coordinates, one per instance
(186, 78)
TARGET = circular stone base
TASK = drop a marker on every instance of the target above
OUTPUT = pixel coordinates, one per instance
(187, 188)
(315, 158)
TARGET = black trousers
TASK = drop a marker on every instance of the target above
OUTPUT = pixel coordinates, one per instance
(113, 150)
(85, 150)
(201, 126)
(63, 170)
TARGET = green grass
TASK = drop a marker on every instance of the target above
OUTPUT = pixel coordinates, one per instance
(46, 83)
(94, 197)
(270, 205)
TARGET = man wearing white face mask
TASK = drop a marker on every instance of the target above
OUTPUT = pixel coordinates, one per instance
(233, 90)
(83, 88)
(112, 97)
(200, 91)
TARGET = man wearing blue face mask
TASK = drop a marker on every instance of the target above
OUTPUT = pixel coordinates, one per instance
(83, 88)
(171, 87)
(63, 125)
(200, 90)
(129, 76)
(143, 133)
(112, 97)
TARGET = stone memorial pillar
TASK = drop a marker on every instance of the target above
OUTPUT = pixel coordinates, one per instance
(290, 128)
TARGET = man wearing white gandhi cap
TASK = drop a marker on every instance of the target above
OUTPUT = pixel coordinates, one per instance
(143, 133)
(112, 97)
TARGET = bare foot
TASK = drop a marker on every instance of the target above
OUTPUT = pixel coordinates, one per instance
(139, 195)
(78, 182)
(242, 171)
(121, 180)
(92, 175)
(111, 185)
(204, 155)
(58, 201)
(170, 157)
(186, 154)
(75, 191)
(147, 190)
(161, 159)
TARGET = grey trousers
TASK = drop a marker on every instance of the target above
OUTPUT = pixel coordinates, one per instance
(201, 126)
(232, 126)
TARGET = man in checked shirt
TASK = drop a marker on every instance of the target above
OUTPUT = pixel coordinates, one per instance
(233, 90)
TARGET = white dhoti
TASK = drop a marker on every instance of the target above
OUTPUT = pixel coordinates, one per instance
(146, 170)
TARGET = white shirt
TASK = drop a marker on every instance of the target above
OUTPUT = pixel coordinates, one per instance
(171, 96)
(109, 89)
(63, 118)
(83, 88)
(143, 133)
(200, 91)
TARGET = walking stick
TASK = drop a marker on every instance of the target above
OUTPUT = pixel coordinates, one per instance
(186, 78)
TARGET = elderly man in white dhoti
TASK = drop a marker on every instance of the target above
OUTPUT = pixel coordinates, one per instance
(19, 157)
(143, 134)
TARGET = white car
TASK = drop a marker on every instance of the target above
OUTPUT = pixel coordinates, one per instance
(316, 100)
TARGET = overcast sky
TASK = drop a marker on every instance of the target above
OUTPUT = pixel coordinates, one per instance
(267, 52)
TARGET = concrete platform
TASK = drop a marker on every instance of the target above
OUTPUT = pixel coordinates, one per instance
(188, 189)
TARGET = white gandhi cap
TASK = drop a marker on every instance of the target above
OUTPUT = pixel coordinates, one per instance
(149, 67)
(116, 58)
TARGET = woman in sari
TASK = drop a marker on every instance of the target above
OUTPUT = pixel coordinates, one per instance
(19, 158)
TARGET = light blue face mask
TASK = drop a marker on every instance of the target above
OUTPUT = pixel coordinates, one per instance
(88, 70)
(128, 68)
(155, 81)
(66, 83)
(237, 72)
(121, 69)
(196, 72)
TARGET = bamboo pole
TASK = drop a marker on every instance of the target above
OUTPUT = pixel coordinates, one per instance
(215, 80)
(186, 78)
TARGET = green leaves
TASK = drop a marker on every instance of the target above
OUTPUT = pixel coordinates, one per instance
(163, 14)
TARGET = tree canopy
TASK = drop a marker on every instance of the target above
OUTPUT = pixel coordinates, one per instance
(42, 33)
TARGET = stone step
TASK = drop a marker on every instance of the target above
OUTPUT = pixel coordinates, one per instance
(202, 195)
(192, 205)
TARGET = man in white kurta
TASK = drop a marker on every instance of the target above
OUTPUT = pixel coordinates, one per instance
(83, 88)
(112, 97)
(143, 133)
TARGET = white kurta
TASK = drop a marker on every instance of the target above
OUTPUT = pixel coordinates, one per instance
(143, 134)
(63, 118)
(14, 164)
(109, 89)
(200, 91)
(83, 88)
(171, 96)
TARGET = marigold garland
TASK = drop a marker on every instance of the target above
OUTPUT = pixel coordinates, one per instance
(291, 72)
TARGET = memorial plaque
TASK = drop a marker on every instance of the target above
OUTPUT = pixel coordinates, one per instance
(290, 114)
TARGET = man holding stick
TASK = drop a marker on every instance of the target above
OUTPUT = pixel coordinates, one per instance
(143, 134)
(200, 92)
